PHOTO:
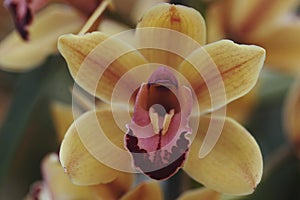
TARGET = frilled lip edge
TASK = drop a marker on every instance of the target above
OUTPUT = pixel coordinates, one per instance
(164, 163)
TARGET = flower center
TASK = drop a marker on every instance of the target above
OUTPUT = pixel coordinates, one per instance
(160, 119)
(161, 105)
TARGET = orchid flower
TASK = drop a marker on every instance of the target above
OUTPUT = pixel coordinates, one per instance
(159, 108)
(273, 25)
(56, 185)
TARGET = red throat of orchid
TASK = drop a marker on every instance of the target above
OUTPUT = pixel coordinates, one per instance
(156, 136)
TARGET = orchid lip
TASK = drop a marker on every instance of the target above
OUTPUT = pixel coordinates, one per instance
(156, 136)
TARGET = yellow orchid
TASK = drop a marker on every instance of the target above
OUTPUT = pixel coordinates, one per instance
(292, 116)
(164, 94)
(270, 24)
(56, 185)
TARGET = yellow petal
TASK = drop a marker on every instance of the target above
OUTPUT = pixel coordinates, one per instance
(200, 194)
(97, 62)
(18, 55)
(234, 166)
(62, 118)
(282, 46)
(133, 10)
(167, 30)
(225, 72)
(142, 6)
(178, 18)
(145, 191)
(58, 183)
(92, 151)
(292, 115)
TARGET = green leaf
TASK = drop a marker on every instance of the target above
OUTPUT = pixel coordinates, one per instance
(29, 88)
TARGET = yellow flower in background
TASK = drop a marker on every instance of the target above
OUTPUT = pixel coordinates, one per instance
(56, 185)
(43, 29)
(22, 11)
(292, 116)
(273, 25)
(160, 127)
(19, 55)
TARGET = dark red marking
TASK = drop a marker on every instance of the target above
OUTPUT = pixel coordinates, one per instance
(174, 18)
(157, 169)
(21, 21)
